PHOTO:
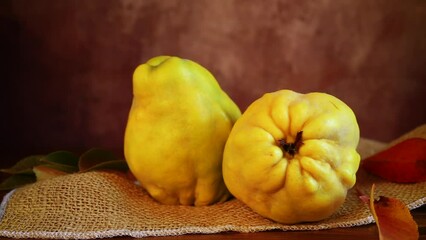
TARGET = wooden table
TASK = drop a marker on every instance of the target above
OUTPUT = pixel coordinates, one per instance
(366, 232)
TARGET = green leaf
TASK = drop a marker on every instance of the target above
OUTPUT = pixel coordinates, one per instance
(94, 157)
(63, 160)
(24, 166)
(16, 181)
(119, 165)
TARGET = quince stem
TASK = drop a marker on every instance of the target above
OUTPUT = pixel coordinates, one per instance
(291, 148)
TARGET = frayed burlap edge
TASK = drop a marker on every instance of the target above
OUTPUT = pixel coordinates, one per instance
(238, 224)
(106, 204)
(136, 227)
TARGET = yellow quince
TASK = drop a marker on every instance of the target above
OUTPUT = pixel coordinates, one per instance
(176, 131)
(292, 157)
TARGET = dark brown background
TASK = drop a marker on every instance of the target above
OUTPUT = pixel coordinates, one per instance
(66, 66)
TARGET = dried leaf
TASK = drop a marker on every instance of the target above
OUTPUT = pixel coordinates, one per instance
(16, 181)
(43, 172)
(63, 160)
(393, 218)
(404, 162)
(95, 157)
(24, 166)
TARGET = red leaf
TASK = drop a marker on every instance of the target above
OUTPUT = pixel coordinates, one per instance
(393, 218)
(404, 162)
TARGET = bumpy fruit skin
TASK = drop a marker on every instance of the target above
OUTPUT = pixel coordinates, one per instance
(307, 186)
(176, 132)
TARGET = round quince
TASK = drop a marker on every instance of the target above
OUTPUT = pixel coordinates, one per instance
(292, 157)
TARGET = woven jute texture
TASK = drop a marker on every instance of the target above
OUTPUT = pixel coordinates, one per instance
(107, 204)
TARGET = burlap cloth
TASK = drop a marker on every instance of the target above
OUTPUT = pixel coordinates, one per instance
(107, 204)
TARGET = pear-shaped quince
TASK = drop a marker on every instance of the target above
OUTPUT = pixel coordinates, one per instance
(177, 127)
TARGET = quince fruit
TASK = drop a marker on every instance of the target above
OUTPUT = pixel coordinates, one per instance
(177, 127)
(292, 157)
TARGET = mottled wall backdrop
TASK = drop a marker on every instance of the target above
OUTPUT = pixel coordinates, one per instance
(67, 65)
